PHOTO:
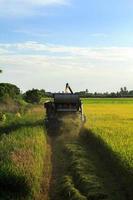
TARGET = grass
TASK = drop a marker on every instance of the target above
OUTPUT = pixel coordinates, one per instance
(22, 152)
(107, 100)
(68, 190)
(84, 174)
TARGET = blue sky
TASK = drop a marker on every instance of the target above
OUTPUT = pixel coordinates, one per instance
(46, 43)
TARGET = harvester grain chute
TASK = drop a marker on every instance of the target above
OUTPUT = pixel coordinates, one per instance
(63, 104)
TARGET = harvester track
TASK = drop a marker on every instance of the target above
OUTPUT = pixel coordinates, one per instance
(59, 161)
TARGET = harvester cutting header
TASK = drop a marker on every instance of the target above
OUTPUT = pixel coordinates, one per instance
(64, 103)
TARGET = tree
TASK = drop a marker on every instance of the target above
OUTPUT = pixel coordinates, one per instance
(9, 90)
(33, 96)
(87, 91)
(125, 89)
(0, 71)
(43, 93)
(130, 93)
(123, 92)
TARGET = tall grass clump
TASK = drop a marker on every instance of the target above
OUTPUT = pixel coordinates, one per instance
(84, 174)
(22, 153)
(69, 191)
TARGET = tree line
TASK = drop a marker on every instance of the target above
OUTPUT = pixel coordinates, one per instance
(10, 91)
(123, 93)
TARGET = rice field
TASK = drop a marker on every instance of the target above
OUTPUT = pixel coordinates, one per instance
(111, 126)
(114, 124)
(74, 162)
(101, 157)
(107, 100)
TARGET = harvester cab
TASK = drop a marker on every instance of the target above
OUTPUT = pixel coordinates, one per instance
(63, 103)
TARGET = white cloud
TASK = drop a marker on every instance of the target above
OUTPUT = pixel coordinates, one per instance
(3, 51)
(101, 53)
(33, 64)
(27, 7)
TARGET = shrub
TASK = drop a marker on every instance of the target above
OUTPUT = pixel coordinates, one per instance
(8, 90)
(33, 96)
(21, 167)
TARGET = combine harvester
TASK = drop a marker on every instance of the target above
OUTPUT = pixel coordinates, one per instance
(64, 104)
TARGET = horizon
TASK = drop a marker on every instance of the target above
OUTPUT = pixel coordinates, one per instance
(75, 91)
(46, 43)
